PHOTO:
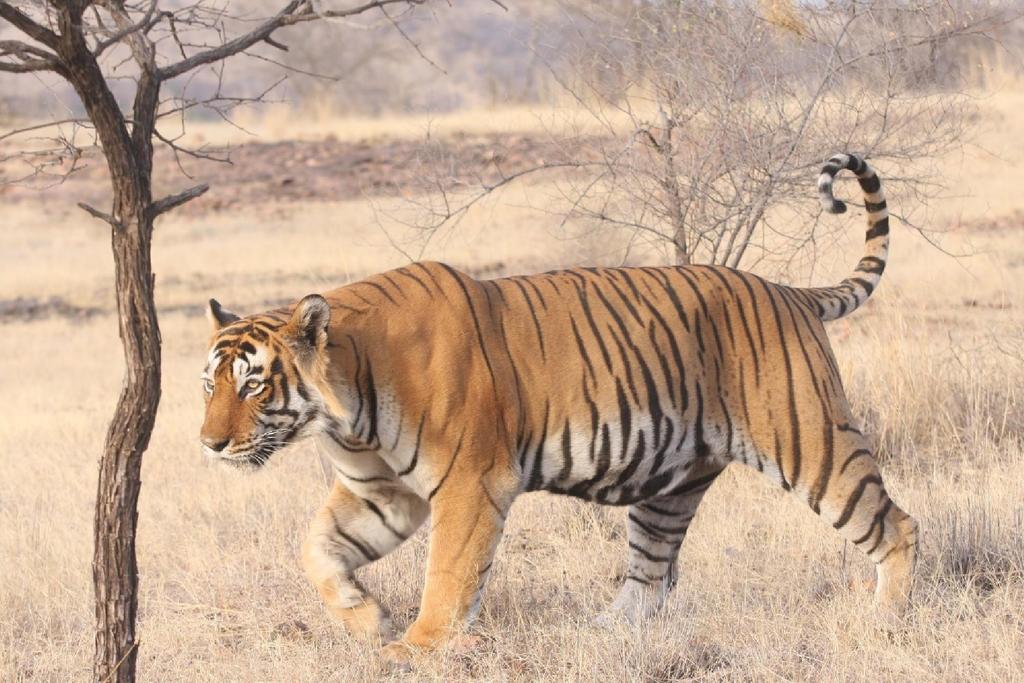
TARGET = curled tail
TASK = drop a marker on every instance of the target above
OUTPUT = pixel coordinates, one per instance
(839, 300)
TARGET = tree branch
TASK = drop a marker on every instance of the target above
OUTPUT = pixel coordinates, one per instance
(175, 200)
(48, 124)
(28, 66)
(273, 43)
(145, 24)
(408, 39)
(32, 58)
(96, 213)
(19, 49)
(26, 25)
(236, 45)
(295, 12)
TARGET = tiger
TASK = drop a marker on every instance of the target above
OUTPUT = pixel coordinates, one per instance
(434, 394)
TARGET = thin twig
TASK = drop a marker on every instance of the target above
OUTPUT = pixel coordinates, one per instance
(96, 213)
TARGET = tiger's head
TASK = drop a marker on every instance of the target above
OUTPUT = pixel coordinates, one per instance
(261, 380)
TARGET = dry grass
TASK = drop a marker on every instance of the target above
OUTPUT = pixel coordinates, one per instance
(934, 365)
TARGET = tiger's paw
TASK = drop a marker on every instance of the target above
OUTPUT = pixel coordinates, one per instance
(398, 656)
(892, 619)
(632, 606)
(608, 620)
(368, 621)
(611, 619)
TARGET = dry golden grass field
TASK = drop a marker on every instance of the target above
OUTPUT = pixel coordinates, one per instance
(934, 366)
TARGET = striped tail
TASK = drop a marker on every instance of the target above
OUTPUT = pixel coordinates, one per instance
(851, 293)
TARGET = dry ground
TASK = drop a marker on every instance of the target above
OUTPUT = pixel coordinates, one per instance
(933, 365)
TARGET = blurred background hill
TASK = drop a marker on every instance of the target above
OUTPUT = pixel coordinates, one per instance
(469, 55)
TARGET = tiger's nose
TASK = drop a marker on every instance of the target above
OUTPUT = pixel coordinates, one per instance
(214, 444)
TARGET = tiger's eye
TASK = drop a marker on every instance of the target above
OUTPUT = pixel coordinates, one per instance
(253, 384)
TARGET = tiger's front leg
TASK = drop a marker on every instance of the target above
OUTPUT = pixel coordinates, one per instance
(466, 524)
(352, 530)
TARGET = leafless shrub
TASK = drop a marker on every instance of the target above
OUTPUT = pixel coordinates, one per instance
(716, 116)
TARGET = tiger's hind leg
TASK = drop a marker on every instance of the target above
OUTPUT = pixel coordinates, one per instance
(655, 531)
(852, 498)
(847, 492)
(350, 531)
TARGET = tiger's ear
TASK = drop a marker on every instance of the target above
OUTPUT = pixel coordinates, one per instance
(218, 315)
(308, 326)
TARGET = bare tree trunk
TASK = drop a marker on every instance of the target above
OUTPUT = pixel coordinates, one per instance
(115, 573)
(129, 158)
